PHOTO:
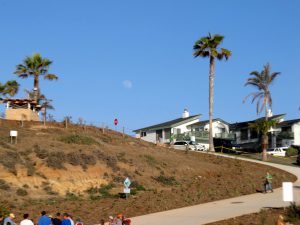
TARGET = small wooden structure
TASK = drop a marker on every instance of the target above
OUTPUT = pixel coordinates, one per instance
(22, 109)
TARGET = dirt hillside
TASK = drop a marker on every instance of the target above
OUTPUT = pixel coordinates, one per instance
(81, 170)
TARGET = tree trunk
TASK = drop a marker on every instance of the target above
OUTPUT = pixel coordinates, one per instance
(36, 88)
(264, 147)
(211, 99)
(265, 136)
(45, 116)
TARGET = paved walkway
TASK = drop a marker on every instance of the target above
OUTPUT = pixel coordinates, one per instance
(223, 209)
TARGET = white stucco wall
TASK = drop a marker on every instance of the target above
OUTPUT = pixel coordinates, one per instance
(184, 127)
(150, 137)
(296, 130)
(217, 127)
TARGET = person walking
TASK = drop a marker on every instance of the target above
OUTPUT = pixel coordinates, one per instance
(78, 222)
(111, 220)
(9, 220)
(57, 219)
(26, 220)
(1, 220)
(268, 183)
(65, 220)
(44, 219)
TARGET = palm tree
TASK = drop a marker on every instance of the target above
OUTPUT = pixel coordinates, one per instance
(46, 105)
(35, 66)
(262, 81)
(9, 88)
(262, 127)
(209, 47)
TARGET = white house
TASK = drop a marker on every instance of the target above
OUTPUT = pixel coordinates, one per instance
(286, 133)
(220, 127)
(162, 132)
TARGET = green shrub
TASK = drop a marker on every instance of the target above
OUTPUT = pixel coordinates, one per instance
(4, 211)
(49, 190)
(104, 190)
(293, 212)
(291, 152)
(166, 180)
(4, 185)
(21, 192)
(150, 160)
(78, 139)
(71, 196)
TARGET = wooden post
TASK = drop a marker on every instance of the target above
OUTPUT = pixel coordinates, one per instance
(102, 128)
(123, 132)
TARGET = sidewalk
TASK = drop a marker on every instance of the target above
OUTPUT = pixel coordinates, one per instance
(223, 209)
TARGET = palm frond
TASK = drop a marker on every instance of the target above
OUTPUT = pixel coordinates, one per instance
(51, 77)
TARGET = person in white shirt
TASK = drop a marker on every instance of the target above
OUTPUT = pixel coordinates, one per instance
(26, 221)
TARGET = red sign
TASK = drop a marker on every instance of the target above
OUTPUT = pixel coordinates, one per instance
(116, 122)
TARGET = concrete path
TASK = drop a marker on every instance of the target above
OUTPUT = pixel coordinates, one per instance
(223, 209)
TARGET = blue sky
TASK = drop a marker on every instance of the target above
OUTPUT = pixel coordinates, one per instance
(132, 60)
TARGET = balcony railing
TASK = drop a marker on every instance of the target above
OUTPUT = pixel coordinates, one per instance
(201, 135)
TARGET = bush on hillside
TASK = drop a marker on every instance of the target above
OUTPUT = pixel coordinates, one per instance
(40, 153)
(166, 180)
(78, 139)
(74, 158)
(293, 212)
(4, 185)
(9, 161)
(21, 192)
(291, 151)
(56, 160)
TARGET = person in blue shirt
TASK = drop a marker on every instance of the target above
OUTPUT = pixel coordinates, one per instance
(66, 220)
(9, 219)
(44, 219)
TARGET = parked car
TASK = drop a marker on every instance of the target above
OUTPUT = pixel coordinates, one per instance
(183, 145)
(198, 146)
(278, 151)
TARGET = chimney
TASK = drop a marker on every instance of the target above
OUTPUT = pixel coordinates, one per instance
(185, 113)
(270, 114)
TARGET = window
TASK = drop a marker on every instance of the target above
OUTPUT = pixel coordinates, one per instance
(244, 134)
(286, 129)
(253, 134)
(143, 134)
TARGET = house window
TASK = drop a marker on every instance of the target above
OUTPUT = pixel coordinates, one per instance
(253, 134)
(244, 134)
(143, 134)
(286, 129)
(177, 131)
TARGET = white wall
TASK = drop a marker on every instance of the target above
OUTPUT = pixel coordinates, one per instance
(296, 130)
(150, 137)
(217, 125)
(184, 127)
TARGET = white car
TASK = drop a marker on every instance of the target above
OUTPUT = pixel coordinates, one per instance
(278, 151)
(188, 145)
(198, 147)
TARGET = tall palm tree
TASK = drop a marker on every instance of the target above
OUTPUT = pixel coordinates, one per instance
(262, 127)
(35, 66)
(262, 81)
(10, 88)
(209, 47)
